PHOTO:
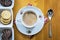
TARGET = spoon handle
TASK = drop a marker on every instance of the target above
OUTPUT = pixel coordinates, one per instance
(50, 29)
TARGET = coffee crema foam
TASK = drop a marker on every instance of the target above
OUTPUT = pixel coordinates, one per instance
(29, 18)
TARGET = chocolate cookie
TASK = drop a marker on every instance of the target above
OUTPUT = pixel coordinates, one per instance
(6, 3)
(6, 34)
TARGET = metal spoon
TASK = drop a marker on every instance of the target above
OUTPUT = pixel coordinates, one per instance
(50, 14)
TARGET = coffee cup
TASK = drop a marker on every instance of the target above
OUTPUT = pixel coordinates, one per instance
(29, 18)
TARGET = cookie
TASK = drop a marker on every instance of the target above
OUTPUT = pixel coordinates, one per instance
(6, 3)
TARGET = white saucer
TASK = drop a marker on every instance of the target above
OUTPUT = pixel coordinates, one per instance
(39, 25)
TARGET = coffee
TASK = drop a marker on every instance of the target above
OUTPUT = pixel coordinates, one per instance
(29, 18)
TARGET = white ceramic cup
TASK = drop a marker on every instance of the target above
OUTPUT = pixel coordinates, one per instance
(27, 26)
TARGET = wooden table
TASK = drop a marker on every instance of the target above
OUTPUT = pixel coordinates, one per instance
(44, 5)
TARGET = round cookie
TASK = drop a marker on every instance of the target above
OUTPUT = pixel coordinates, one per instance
(5, 14)
(5, 17)
(5, 21)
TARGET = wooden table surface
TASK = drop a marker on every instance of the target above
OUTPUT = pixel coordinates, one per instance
(44, 5)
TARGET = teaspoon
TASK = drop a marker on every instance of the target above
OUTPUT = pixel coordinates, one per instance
(50, 14)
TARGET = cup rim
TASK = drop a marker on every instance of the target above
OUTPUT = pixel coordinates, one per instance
(27, 26)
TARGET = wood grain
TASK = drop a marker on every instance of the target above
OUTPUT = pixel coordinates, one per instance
(44, 5)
